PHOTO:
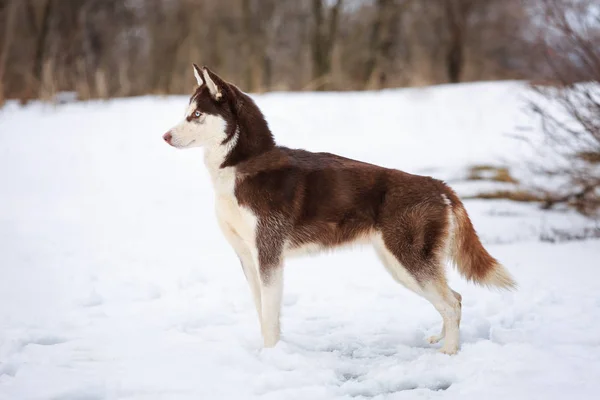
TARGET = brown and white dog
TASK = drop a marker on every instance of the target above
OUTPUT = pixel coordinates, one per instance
(272, 201)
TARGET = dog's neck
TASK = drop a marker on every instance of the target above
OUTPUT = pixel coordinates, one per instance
(215, 156)
(218, 160)
(248, 137)
(252, 134)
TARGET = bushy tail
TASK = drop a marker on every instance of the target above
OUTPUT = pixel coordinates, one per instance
(473, 261)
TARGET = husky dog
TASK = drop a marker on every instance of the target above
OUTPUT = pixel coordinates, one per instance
(272, 201)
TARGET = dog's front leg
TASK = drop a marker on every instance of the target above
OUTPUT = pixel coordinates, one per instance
(249, 266)
(271, 291)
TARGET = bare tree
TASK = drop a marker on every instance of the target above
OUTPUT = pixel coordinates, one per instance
(257, 20)
(457, 14)
(323, 39)
(384, 32)
(39, 13)
(8, 34)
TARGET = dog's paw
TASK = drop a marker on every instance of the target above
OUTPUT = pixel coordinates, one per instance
(434, 339)
(449, 350)
(270, 340)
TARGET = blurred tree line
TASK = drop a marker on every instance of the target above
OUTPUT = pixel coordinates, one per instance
(107, 48)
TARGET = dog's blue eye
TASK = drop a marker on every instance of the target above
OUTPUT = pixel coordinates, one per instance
(197, 114)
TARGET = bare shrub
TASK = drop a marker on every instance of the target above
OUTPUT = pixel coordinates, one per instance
(569, 110)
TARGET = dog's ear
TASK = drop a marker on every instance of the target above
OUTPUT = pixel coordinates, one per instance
(198, 75)
(214, 83)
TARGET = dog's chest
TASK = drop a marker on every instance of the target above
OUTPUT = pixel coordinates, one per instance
(240, 219)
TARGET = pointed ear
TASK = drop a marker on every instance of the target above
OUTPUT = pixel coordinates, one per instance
(213, 83)
(198, 75)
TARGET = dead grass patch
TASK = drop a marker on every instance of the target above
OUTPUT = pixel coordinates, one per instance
(490, 173)
(592, 157)
(514, 195)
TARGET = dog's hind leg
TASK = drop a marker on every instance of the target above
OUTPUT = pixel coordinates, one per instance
(447, 304)
(436, 338)
(395, 268)
(426, 278)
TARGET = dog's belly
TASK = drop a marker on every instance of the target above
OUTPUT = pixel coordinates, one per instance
(316, 247)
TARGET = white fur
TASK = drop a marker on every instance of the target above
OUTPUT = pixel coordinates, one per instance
(449, 241)
(223, 179)
(307, 249)
(243, 251)
(207, 131)
(446, 200)
(241, 220)
(446, 303)
(311, 249)
(271, 294)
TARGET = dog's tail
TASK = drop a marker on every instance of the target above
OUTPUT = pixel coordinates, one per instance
(472, 260)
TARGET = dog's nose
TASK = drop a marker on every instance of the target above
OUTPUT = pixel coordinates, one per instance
(167, 136)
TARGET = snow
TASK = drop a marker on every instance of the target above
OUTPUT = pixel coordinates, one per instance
(115, 282)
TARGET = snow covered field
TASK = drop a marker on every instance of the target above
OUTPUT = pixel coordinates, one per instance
(115, 282)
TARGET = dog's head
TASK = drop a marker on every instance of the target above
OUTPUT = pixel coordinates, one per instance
(210, 119)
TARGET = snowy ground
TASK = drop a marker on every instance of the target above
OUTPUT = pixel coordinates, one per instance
(115, 282)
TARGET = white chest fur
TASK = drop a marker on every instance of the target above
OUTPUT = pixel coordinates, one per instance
(239, 219)
(223, 179)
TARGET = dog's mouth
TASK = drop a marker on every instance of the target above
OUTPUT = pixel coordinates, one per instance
(191, 142)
